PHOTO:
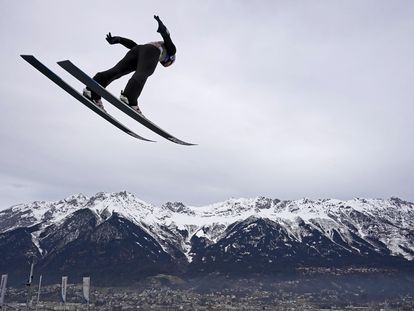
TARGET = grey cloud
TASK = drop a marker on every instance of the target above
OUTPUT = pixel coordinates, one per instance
(286, 99)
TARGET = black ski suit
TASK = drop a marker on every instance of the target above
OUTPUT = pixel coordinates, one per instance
(142, 59)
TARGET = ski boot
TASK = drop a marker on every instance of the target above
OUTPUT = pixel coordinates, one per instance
(125, 100)
(98, 102)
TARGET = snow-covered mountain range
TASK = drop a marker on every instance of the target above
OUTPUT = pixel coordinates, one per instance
(119, 231)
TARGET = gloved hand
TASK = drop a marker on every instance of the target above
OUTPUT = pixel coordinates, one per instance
(161, 27)
(112, 40)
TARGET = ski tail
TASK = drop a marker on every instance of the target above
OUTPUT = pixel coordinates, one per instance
(60, 82)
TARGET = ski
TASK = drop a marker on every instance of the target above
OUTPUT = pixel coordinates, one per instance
(55, 78)
(94, 86)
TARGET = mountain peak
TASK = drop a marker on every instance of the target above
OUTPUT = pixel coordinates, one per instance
(250, 230)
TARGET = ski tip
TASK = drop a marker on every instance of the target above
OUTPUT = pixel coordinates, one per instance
(140, 137)
(180, 142)
(189, 144)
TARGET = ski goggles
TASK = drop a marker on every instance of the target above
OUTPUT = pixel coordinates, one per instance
(168, 61)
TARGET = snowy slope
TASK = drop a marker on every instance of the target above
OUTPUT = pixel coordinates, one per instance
(390, 221)
(40, 212)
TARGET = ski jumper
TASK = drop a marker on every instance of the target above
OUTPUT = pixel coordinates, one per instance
(142, 59)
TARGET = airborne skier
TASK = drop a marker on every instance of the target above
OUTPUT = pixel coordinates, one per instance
(142, 59)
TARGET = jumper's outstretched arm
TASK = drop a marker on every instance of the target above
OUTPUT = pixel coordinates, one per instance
(169, 45)
(128, 43)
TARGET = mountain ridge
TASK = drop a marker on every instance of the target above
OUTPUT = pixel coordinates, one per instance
(224, 236)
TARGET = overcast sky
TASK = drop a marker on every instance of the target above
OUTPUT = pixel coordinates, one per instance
(285, 99)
